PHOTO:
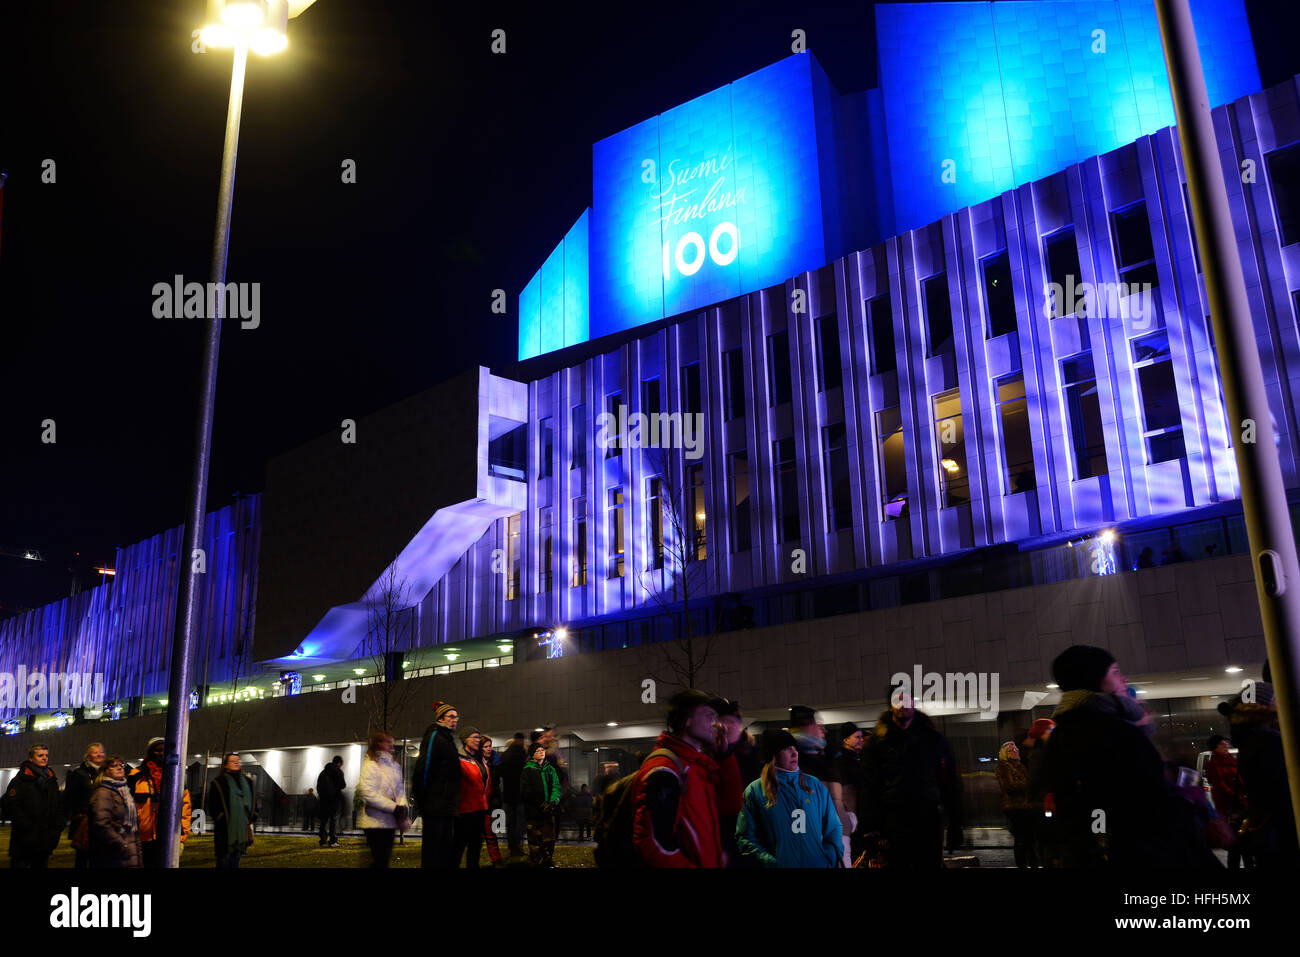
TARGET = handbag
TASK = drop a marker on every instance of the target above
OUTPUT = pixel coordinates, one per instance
(401, 817)
(81, 832)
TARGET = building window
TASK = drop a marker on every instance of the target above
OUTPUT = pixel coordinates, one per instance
(691, 389)
(655, 521)
(1134, 253)
(512, 551)
(613, 402)
(650, 397)
(548, 550)
(954, 479)
(1162, 416)
(998, 297)
(614, 498)
(733, 369)
(1062, 270)
(578, 437)
(778, 368)
(880, 323)
(839, 493)
(1284, 178)
(1017, 449)
(579, 561)
(938, 313)
(695, 508)
(544, 467)
(1083, 405)
(829, 373)
(787, 490)
(893, 465)
(738, 467)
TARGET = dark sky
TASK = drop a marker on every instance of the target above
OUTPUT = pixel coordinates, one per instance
(470, 167)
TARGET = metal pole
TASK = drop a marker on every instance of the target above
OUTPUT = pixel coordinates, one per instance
(178, 695)
(1263, 496)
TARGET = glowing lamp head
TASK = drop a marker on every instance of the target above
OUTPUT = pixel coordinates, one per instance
(262, 24)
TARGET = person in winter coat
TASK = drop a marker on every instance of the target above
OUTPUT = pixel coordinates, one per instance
(329, 785)
(77, 786)
(539, 789)
(810, 735)
(493, 762)
(512, 767)
(383, 796)
(475, 788)
(1033, 754)
(787, 818)
(1269, 829)
(1227, 793)
(232, 809)
(674, 796)
(1115, 805)
(436, 784)
(114, 827)
(731, 775)
(146, 787)
(1013, 779)
(32, 803)
(845, 782)
(310, 807)
(908, 775)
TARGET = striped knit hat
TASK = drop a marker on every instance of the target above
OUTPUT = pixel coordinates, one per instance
(440, 709)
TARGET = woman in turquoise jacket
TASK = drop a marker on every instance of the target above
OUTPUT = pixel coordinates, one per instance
(771, 831)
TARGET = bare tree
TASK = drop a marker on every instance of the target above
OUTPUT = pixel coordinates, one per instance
(236, 721)
(677, 572)
(389, 631)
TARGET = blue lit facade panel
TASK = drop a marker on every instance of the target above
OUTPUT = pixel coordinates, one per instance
(577, 285)
(625, 291)
(551, 295)
(530, 319)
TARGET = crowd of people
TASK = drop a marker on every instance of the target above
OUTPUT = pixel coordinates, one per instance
(1084, 788)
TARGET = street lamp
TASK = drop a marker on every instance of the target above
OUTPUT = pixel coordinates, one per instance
(261, 25)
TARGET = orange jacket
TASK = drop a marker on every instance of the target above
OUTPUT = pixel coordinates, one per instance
(147, 799)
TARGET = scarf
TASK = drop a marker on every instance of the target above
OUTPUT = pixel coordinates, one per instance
(132, 823)
(808, 744)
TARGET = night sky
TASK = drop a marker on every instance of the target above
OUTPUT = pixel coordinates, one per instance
(470, 168)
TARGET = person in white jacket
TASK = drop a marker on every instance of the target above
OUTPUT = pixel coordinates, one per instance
(384, 792)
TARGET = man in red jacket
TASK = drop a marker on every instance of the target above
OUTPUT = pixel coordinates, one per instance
(675, 794)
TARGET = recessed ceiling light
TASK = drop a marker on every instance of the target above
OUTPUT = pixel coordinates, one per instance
(1233, 670)
(317, 677)
(611, 724)
(1053, 686)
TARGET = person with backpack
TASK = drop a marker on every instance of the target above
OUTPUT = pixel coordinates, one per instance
(329, 785)
(114, 825)
(436, 785)
(539, 789)
(31, 802)
(787, 818)
(77, 788)
(673, 797)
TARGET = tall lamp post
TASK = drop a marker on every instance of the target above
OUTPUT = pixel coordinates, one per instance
(1263, 494)
(262, 26)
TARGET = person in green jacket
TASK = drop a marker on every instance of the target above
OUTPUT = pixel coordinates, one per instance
(539, 791)
(787, 818)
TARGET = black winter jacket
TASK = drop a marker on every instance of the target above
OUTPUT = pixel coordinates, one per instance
(330, 784)
(908, 768)
(32, 803)
(436, 778)
(512, 766)
(77, 787)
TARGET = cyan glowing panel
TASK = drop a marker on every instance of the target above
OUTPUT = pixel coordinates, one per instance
(577, 295)
(553, 306)
(717, 197)
(996, 95)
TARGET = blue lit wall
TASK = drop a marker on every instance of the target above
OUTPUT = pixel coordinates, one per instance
(777, 173)
(1011, 92)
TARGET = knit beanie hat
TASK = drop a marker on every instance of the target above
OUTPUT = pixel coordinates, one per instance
(466, 732)
(1042, 726)
(440, 709)
(847, 730)
(1081, 667)
(682, 704)
(801, 715)
(776, 739)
